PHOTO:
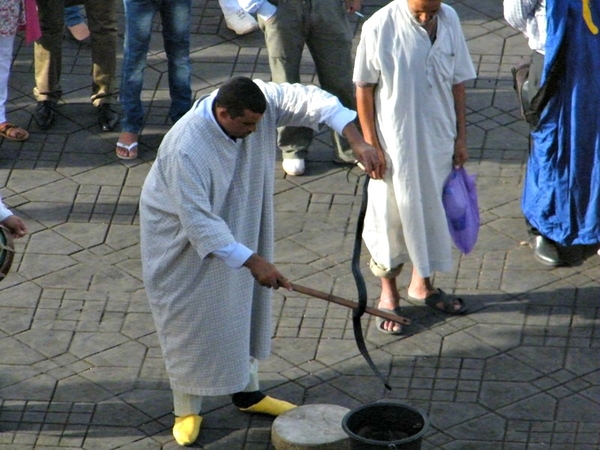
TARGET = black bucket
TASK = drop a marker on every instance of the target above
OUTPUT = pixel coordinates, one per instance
(385, 425)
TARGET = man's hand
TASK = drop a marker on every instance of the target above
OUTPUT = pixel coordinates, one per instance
(352, 6)
(266, 273)
(15, 225)
(371, 158)
(460, 153)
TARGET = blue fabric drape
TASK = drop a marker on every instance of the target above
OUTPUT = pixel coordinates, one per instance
(561, 196)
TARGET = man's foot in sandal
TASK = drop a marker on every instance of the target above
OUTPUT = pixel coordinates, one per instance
(127, 146)
(440, 301)
(13, 132)
(387, 326)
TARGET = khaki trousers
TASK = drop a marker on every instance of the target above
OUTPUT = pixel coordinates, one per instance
(102, 21)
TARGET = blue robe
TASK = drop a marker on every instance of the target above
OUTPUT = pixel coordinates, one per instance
(561, 197)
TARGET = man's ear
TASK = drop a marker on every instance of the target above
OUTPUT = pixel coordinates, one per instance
(222, 113)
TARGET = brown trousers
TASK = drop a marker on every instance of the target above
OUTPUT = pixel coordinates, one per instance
(102, 21)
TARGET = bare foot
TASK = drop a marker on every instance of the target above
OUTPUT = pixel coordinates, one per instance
(13, 132)
(389, 299)
(80, 31)
(127, 145)
(388, 325)
(443, 304)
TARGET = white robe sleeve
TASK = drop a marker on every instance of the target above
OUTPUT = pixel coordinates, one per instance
(366, 64)
(307, 106)
(5, 213)
(205, 230)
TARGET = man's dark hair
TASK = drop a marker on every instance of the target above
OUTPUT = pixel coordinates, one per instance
(238, 94)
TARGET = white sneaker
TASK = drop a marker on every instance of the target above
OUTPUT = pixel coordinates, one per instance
(241, 22)
(293, 166)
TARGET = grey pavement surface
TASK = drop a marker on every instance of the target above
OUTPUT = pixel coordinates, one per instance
(80, 365)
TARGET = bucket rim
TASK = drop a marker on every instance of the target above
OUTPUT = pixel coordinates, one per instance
(406, 440)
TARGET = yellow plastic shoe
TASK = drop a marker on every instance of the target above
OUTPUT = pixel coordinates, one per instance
(270, 406)
(186, 429)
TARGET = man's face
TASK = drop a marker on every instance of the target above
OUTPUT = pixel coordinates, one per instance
(241, 126)
(424, 11)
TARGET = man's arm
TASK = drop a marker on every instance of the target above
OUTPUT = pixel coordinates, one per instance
(516, 12)
(366, 153)
(460, 144)
(365, 107)
(236, 255)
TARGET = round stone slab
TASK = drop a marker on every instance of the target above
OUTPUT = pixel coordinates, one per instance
(314, 427)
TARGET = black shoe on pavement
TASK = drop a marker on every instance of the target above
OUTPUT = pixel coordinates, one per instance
(44, 114)
(546, 252)
(107, 118)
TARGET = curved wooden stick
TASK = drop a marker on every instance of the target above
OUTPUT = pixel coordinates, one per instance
(349, 304)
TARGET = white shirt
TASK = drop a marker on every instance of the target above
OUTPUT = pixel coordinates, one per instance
(529, 17)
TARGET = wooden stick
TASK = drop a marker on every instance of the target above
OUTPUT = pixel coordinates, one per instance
(349, 304)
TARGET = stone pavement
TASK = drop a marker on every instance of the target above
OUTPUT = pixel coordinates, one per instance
(80, 365)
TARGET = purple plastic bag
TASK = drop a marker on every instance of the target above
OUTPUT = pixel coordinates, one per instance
(462, 211)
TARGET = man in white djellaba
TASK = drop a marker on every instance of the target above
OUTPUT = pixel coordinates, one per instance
(410, 71)
(206, 219)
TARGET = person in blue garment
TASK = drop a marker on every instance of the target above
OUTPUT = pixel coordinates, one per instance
(561, 196)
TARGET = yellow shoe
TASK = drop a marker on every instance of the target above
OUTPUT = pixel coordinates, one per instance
(270, 406)
(186, 429)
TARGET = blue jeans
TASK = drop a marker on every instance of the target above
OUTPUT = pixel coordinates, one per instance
(73, 16)
(175, 16)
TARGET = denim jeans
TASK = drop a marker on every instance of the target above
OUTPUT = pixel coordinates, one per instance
(73, 16)
(175, 16)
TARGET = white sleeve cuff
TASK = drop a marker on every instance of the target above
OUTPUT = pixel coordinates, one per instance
(341, 119)
(5, 213)
(234, 254)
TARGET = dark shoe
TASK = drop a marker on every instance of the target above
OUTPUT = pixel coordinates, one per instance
(44, 114)
(546, 252)
(443, 302)
(107, 118)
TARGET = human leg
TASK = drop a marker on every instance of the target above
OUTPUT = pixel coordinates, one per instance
(47, 51)
(187, 407)
(6, 47)
(330, 45)
(7, 130)
(252, 400)
(138, 30)
(176, 34)
(389, 298)
(102, 21)
(421, 288)
(285, 36)
(188, 420)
